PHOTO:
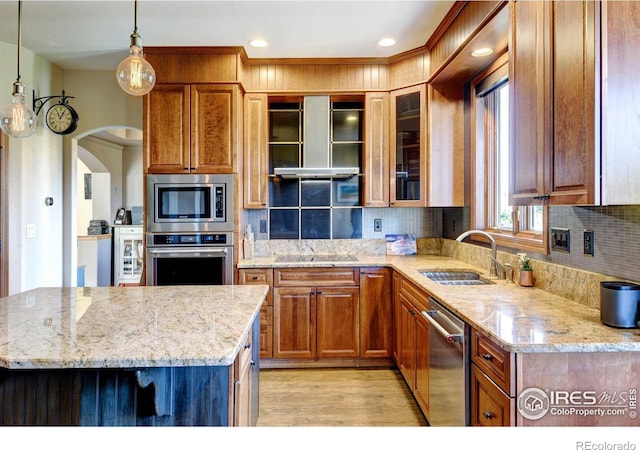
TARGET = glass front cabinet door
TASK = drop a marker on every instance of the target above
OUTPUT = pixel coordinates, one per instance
(128, 255)
(408, 126)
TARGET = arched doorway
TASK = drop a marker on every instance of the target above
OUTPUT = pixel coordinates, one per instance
(108, 176)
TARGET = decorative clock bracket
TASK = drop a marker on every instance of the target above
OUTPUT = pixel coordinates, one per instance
(38, 103)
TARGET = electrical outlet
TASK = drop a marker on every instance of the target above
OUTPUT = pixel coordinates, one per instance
(31, 230)
(588, 242)
(560, 239)
(263, 226)
(377, 225)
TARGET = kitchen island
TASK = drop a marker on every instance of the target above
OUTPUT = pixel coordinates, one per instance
(161, 355)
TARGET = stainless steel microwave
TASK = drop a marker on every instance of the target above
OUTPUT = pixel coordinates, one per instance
(177, 203)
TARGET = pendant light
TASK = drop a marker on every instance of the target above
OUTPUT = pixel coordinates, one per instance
(134, 74)
(17, 119)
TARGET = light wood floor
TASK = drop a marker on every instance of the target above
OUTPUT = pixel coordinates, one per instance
(336, 397)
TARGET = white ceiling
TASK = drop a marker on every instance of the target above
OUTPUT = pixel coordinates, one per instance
(94, 35)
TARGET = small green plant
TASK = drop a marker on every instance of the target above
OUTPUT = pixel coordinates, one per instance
(525, 262)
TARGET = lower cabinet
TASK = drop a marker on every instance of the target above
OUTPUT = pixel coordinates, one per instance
(341, 316)
(412, 339)
(319, 320)
(492, 383)
(262, 276)
(376, 306)
(245, 382)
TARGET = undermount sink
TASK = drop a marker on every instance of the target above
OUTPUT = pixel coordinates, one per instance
(455, 277)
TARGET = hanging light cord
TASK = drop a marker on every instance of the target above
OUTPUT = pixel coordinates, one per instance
(19, 79)
(135, 16)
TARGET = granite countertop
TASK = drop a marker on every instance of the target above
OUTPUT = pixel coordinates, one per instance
(137, 326)
(519, 319)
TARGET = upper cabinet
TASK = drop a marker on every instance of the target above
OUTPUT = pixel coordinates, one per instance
(552, 102)
(574, 125)
(375, 180)
(407, 155)
(256, 150)
(191, 128)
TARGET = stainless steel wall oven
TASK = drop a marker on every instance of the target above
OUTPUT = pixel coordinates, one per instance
(189, 224)
(189, 259)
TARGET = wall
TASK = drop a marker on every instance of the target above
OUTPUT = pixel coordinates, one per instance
(132, 179)
(34, 173)
(616, 237)
(100, 104)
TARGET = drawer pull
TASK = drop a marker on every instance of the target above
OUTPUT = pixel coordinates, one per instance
(487, 415)
(487, 356)
(255, 277)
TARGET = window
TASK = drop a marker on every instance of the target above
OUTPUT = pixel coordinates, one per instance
(522, 228)
(328, 208)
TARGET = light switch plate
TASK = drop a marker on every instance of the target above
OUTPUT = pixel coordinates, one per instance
(560, 239)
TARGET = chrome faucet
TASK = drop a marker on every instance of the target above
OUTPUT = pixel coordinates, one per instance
(492, 269)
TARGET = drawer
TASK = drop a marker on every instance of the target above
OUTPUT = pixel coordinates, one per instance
(334, 276)
(490, 406)
(493, 360)
(244, 356)
(266, 315)
(412, 293)
(257, 276)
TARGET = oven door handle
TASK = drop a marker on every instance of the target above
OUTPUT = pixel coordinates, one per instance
(450, 337)
(209, 251)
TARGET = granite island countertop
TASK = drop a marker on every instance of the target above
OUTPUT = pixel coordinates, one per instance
(519, 319)
(137, 326)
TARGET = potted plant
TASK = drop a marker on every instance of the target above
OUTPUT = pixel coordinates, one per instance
(526, 271)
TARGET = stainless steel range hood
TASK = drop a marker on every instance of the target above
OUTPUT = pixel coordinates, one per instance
(316, 158)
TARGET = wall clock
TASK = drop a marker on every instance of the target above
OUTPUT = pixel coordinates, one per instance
(62, 118)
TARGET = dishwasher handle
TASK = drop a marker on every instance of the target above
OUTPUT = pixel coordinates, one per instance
(450, 337)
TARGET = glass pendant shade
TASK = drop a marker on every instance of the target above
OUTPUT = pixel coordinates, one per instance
(134, 74)
(17, 119)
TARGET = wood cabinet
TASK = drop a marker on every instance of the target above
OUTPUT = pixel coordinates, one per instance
(492, 383)
(262, 276)
(316, 313)
(376, 313)
(375, 182)
(245, 406)
(191, 128)
(573, 120)
(407, 157)
(552, 102)
(256, 150)
(412, 339)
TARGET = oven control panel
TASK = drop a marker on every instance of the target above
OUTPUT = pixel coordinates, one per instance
(195, 239)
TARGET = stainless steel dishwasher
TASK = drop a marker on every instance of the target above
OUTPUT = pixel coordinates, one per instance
(448, 367)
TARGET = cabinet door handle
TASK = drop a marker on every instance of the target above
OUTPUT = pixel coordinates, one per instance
(487, 356)
(247, 346)
(252, 363)
(413, 313)
(487, 415)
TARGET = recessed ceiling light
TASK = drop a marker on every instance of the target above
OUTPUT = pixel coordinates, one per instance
(259, 43)
(386, 42)
(481, 52)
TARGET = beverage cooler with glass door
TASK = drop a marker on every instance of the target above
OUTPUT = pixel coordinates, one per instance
(128, 254)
